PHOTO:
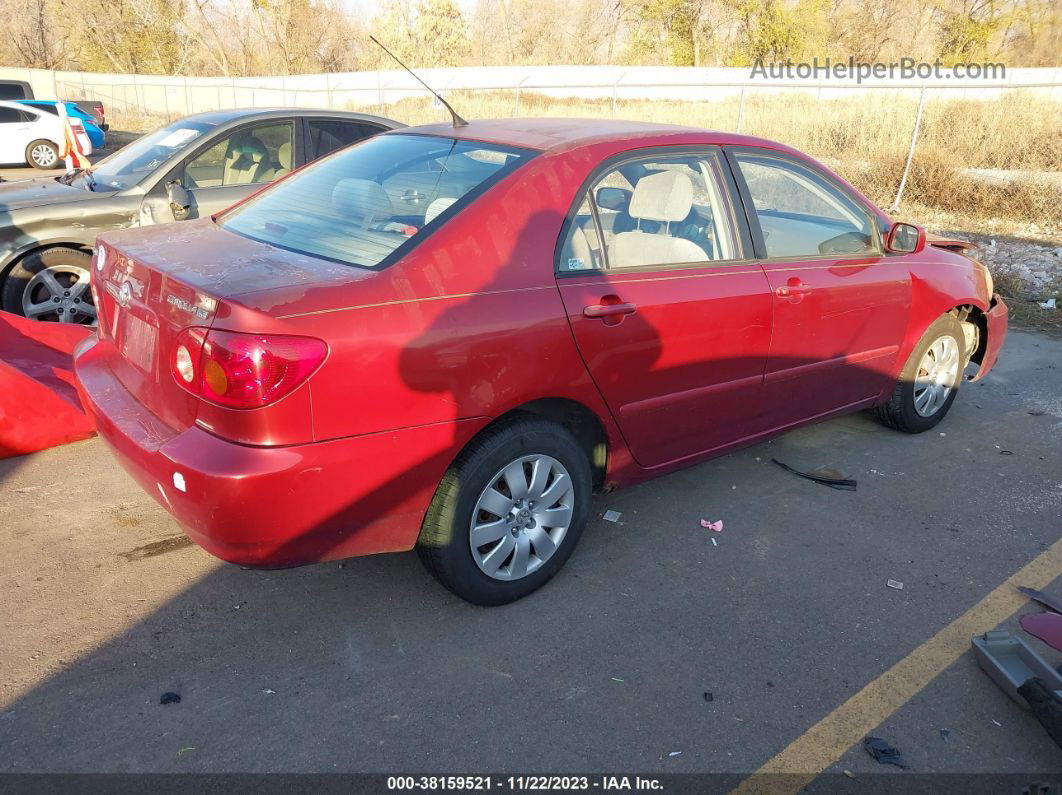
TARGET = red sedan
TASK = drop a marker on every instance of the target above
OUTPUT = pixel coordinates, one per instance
(448, 338)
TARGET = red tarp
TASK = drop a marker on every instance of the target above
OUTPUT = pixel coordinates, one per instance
(39, 406)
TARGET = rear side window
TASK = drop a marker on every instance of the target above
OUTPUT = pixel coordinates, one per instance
(328, 135)
(381, 197)
(11, 116)
(802, 214)
(9, 90)
(655, 211)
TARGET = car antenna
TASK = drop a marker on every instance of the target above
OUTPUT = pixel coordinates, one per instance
(458, 121)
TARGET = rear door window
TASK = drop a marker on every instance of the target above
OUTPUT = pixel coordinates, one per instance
(328, 135)
(654, 211)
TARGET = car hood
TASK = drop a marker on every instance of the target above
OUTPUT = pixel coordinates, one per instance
(23, 193)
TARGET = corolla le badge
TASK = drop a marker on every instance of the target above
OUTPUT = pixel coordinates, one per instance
(180, 303)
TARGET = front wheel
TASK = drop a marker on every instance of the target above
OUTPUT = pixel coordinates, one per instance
(42, 154)
(508, 513)
(930, 379)
(51, 284)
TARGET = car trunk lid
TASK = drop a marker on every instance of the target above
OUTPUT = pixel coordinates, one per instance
(151, 284)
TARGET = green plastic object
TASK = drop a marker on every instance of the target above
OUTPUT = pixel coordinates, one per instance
(1009, 661)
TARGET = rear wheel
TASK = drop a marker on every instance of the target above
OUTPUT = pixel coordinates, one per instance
(930, 379)
(42, 154)
(508, 513)
(51, 284)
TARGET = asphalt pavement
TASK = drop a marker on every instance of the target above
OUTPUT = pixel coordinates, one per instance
(652, 651)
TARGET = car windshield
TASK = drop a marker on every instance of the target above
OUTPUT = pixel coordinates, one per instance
(378, 198)
(132, 163)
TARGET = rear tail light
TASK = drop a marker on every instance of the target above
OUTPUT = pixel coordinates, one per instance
(243, 371)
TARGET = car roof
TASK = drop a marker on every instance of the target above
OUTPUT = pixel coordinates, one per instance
(227, 116)
(549, 134)
(17, 105)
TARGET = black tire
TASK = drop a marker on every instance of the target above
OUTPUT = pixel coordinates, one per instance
(53, 163)
(445, 547)
(19, 277)
(900, 412)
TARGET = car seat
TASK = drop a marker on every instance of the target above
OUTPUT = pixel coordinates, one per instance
(665, 199)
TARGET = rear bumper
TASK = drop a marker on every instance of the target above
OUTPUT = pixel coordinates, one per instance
(274, 506)
(997, 319)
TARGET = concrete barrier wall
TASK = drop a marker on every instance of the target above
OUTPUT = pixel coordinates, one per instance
(176, 95)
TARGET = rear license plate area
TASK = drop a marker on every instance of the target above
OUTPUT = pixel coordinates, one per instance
(139, 342)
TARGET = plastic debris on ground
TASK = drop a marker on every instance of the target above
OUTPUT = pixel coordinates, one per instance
(1045, 706)
(1045, 626)
(944, 734)
(612, 516)
(708, 696)
(715, 527)
(1046, 599)
(825, 479)
(170, 698)
(675, 753)
(894, 584)
(1048, 304)
(884, 753)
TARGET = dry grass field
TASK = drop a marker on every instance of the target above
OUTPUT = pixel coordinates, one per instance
(993, 165)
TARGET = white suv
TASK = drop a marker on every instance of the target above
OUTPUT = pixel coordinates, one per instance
(29, 135)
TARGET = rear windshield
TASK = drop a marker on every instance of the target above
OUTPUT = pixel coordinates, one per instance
(378, 198)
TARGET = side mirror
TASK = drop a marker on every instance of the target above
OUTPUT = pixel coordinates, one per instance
(180, 200)
(613, 198)
(905, 239)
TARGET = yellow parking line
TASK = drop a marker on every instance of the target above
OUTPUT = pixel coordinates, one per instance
(826, 741)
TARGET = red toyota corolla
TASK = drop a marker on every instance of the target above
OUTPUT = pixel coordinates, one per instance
(449, 338)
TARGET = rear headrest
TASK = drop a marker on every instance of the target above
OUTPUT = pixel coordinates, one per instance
(436, 207)
(664, 196)
(362, 199)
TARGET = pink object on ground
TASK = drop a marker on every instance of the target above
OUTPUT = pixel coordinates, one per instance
(1045, 626)
(715, 527)
(39, 404)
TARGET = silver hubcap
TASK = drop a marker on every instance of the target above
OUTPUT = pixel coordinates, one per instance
(43, 155)
(937, 374)
(521, 517)
(59, 293)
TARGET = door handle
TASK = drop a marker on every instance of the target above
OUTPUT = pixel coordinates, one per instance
(609, 310)
(794, 291)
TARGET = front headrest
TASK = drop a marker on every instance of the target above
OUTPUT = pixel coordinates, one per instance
(664, 196)
(247, 145)
(436, 207)
(362, 199)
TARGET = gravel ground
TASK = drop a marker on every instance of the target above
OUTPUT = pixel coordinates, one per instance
(1034, 268)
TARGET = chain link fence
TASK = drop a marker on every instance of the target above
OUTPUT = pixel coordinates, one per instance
(974, 157)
